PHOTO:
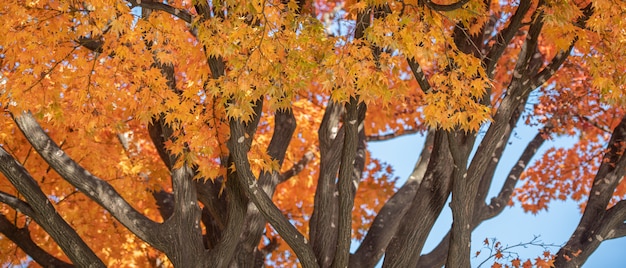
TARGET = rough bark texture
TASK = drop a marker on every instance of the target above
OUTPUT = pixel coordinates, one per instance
(235, 219)
(597, 223)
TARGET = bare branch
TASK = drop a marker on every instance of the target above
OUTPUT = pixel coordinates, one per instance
(393, 135)
(177, 12)
(498, 203)
(17, 204)
(424, 209)
(614, 220)
(292, 236)
(387, 220)
(47, 216)
(92, 186)
(344, 185)
(505, 36)
(449, 7)
(297, 167)
(284, 127)
(322, 225)
(596, 223)
(437, 257)
(418, 73)
(21, 238)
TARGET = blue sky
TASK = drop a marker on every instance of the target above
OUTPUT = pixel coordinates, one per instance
(513, 225)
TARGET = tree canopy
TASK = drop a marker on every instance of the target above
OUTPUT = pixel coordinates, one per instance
(234, 133)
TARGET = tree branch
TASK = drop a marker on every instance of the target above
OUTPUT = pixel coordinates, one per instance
(47, 216)
(504, 37)
(596, 222)
(388, 218)
(437, 257)
(177, 12)
(393, 135)
(297, 167)
(561, 56)
(424, 208)
(449, 7)
(614, 220)
(344, 185)
(292, 236)
(92, 186)
(21, 238)
(284, 127)
(419, 75)
(17, 204)
(223, 252)
(323, 226)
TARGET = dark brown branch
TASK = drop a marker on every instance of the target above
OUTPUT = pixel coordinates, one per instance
(284, 127)
(424, 209)
(620, 231)
(418, 73)
(551, 68)
(224, 251)
(561, 56)
(345, 186)
(323, 224)
(596, 222)
(505, 36)
(21, 238)
(287, 231)
(17, 204)
(437, 257)
(92, 186)
(387, 220)
(177, 12)
(450, 7)
(393, 135)
(47, 216)
(463, 193)
(297, 167)
(614, 220)
(499, 202)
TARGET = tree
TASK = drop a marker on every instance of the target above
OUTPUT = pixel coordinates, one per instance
(234, 133)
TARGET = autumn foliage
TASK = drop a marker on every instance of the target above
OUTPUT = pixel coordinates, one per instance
(234, 133)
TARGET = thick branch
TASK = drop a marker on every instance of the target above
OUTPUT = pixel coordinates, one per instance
(449, 7)
(223, 252)
(345, 187)
(437, 257)
(297, 167)
(47, 216)
(387, 220)
(614, 220)
(92, 186)
(505, 36)
(284, 127)
(499, 202)
(424, 209)
(294, 239)
(393, 135)
(596, 222)
(177, 12)
(21, 238)
(419, 75)
(17, 204)
(463, 193)
(323, 226)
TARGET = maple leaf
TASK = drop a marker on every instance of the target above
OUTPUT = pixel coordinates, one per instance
(147, 100)
(516, 262)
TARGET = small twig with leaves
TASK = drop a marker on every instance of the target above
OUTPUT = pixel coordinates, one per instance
(498, 251)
